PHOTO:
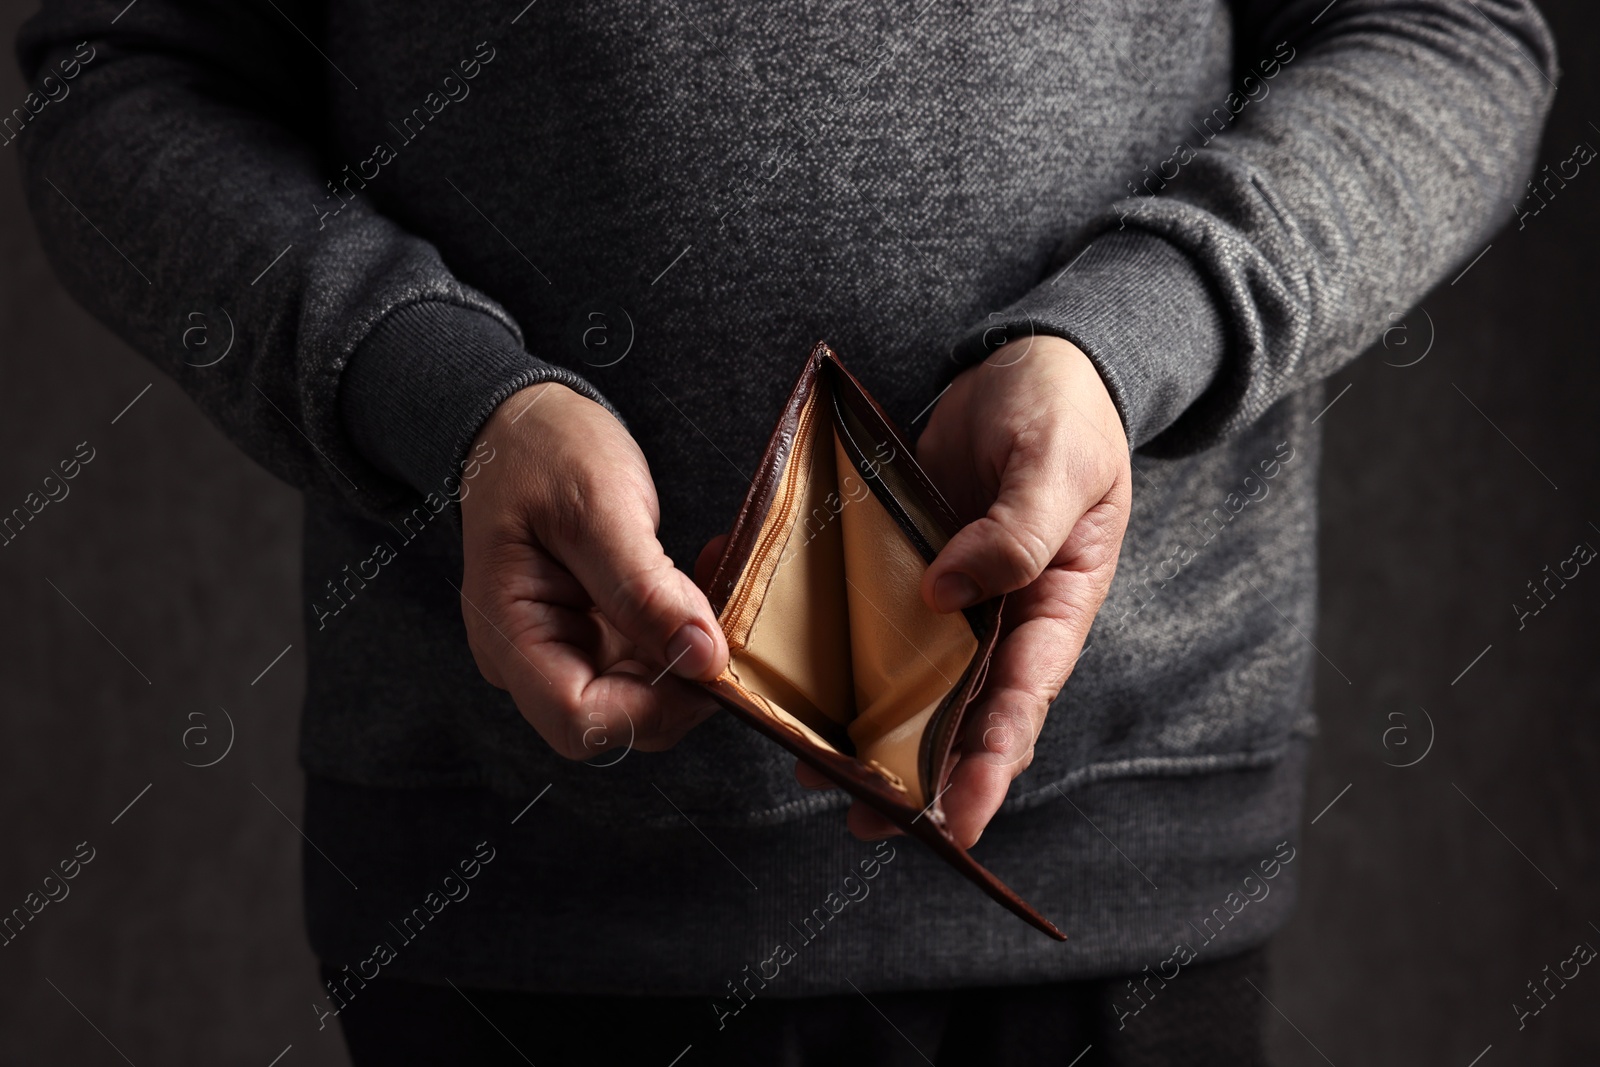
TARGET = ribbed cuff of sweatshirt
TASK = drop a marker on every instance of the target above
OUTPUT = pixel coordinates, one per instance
(1142, 312)
(421, 384)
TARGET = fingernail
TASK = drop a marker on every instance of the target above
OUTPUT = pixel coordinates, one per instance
(955, 591)
(689, 652)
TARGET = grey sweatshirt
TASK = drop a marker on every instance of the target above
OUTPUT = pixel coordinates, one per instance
(408, 211)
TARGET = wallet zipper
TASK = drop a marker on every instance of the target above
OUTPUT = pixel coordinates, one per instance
(736, 624)
(736, 629)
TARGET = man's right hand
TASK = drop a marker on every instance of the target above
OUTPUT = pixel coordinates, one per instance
(570, 602)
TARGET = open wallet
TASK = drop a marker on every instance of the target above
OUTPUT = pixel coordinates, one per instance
(833, 653)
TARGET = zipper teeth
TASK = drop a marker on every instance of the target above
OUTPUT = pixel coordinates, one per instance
(802, 442)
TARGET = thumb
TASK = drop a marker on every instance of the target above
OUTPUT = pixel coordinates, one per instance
(1012, 543)
(615, 556)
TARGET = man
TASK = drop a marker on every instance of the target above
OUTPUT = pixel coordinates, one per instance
(517, 294)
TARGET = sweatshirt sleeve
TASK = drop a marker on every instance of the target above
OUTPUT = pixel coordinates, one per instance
(170, 154)
(1370, 149)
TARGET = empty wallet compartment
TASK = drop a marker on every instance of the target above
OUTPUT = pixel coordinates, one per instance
(833, 652)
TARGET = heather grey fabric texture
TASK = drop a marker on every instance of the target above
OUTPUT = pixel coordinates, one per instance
(723, 184)
(1215, 872)
(405, 383)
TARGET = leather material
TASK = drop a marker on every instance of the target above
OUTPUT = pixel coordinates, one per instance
(801, 630)
(905, 657)
(833, 653)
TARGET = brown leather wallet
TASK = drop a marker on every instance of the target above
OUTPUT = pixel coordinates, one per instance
(833, 653)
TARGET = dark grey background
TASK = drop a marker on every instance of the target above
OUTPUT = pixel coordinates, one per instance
(1434, 892)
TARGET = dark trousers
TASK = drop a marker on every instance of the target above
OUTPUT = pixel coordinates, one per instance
(1208, 1014)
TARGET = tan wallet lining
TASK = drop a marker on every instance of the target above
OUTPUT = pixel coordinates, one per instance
(861, 658)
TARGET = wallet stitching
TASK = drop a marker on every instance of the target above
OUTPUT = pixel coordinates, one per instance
(847, 770)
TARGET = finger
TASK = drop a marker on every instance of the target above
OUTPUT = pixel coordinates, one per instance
(618, 733)
(544, 655)
(611, 548)
(488, 666)
(1029, 669)
(582, 630)
(684, 706)
(1012, 543)
(565, 613)
(581, 713)
(705, 567)
(510, 572)
(974, 793)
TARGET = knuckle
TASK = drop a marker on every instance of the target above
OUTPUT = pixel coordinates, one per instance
(571, 732)
(596, 734)
(1018, 552)
(484, 662)
(482, 640)
(1022, 762)
(557, 718)
(641, 598)
(1033, 441)
(1010, 734)
(563, 511)
(1077, 610)
(591, 496)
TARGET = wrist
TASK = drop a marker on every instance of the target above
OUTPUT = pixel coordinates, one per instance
(522, 409)
(1143, 310)
(1073, 377)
